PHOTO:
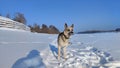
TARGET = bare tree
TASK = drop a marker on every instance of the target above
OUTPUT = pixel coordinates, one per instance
(20, 18)
(53, 30)
(44, 28)
(36, 27)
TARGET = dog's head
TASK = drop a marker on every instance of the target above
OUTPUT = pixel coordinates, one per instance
(68, 31)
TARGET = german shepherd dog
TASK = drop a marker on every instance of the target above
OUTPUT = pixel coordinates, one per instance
(63, 40)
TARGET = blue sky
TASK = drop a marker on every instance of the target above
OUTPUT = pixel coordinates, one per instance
(84, 14)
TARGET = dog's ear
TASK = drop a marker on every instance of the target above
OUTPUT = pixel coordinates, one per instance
(65, 25)
(72, 25)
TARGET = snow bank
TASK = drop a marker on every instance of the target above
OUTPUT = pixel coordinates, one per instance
(12, 29)
(33, 60)
(8, 23)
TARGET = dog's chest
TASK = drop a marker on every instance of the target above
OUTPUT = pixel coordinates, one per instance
(64, 42)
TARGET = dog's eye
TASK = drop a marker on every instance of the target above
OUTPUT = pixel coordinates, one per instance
(68, 29)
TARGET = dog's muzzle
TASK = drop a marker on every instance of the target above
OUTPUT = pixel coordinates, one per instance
(71, 33)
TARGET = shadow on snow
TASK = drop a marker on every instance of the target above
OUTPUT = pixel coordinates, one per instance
(33, 60)
(54, 50)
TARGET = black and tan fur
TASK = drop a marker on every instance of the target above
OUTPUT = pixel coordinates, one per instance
(63, 40)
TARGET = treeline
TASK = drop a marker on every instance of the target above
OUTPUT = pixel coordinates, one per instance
(44, 29)
(99, 31)
(19, 17)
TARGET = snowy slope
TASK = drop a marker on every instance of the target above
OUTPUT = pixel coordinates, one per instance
(9, 23)
(26, 49)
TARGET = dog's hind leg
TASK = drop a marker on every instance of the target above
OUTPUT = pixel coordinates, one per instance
(59, 51)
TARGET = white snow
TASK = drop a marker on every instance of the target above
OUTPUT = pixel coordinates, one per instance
(12, 29)
(10, 24)
(22, 49)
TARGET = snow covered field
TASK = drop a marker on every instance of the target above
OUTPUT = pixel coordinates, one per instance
(20, 49)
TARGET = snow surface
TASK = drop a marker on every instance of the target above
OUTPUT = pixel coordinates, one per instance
(21, 49)
(9, 23)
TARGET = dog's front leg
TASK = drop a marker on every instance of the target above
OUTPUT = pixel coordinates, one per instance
(59, 50)
(64, 50)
